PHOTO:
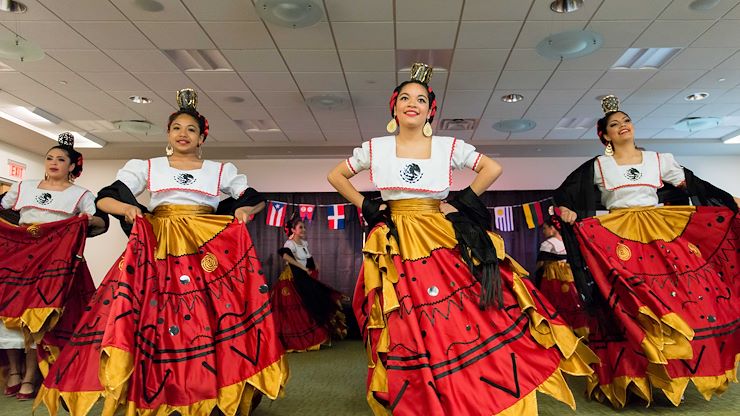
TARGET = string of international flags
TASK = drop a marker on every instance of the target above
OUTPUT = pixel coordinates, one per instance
(534, 213)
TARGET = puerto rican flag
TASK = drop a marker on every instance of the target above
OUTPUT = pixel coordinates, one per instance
(276, 213)
(336, 217)
(306, 211)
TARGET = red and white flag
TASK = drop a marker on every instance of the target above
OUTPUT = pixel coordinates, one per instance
(336, 217)
(306, 211)
(276, 213)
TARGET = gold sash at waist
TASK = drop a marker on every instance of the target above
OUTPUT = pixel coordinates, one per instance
(183, 229)
(646, 224)
(414, 206)
(170, 210)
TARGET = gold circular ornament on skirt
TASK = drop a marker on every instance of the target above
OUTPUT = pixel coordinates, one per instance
(565, 288)
(285, 291)
(623, 252)
(120, 264)
(209, 262)
(34, 230)
(694, 250)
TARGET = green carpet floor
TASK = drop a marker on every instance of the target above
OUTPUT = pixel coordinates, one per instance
(331, 382)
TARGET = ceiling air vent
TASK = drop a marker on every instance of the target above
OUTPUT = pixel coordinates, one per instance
(198, 59)
(457, 124)
(578, 123)
(253, 126)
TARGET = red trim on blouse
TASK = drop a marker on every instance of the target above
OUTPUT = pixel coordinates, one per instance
(17, 197)
(449, 165)
(477, 159)
(15, 204)
(603, 181)
(370, 146)
(349, 165)
(401, 188)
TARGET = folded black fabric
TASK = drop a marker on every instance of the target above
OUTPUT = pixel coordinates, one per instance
(120, 192)
(248, 198)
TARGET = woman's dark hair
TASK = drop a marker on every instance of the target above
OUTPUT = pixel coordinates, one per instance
(291, 223)
(601, 125)
(74, 157)
(432, 97)
(202, 121)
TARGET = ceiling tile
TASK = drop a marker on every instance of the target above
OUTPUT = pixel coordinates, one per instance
(85, 60)
(367, 60)
(622, 79)
(239, 35)
(577, 80)
(669, 79)
(272, 99)
(227, 10)
(189, 35)
(310, 60)
(372, 99)
(529, 59)
(427, 10)
(464, 104)
(488, 35)
(647, 96)
(513, 80)
(84, 10)
(699, 58)
(258, 60)
(164, 81)
(317, 36)
(679, 10)
(48, 64)
(364, 35)
(631, 9)
(541, 11)
(723, 34)
(479, 60)
(500, 110)
(496, 10)
(320, 81)
(64, 81)
(147, 60)
(416, 35)
(370, 81)
(535, 31)
(460, 80)
(270, 81)
(217, 81)
(601, 59)
(619, 34)
(113, 35)
(174, 11)
(113, 81)
(53, 35)
(672, 34)
(36, 11)
(267, 137)
(343, 136)
(359, 10)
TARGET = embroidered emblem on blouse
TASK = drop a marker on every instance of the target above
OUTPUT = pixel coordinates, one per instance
(411, 173)
(633, 174)
(185, 179)
(44, 199)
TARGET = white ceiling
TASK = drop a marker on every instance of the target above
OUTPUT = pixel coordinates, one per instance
(100, 52)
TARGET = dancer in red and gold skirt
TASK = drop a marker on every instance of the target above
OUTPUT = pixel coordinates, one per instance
(44, 280)
(555, 280)
(182, 321)
(451, 324)
(307, 312)
(663, 279)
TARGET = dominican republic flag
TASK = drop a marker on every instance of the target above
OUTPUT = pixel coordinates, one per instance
(306, 211)
(336, 217)
(276, 214)
(504, 218)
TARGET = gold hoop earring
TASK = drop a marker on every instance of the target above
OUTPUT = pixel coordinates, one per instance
(609, 150)
(391, 126)
(169, 151)
(200, 152)
(427, 130)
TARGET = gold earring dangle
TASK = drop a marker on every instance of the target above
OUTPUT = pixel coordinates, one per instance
(169, 151)
(200, 152)
(609, 150)
(427, 129)
(391, 126)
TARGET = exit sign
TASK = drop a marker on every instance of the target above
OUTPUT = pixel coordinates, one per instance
(16, 169)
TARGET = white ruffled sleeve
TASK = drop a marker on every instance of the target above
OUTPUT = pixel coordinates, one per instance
(233, 183)
(11, 197)
(290, 244)
(134, 174)
(360, 159)
(670, 171)
(86, 204)
(464, 155)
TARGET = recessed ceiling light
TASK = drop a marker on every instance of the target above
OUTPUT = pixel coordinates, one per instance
(697, 96)
(63, 82)
(514, 125)
(152, 6)
(570, 44)
(290, 13)
(722, 80)
(565, 6)
(512, 98)
(134, 126)
(19, 49)
(11, 6)
(645, 58)
(733, 138)
(138, 99)
(327, 102)
(702, 5)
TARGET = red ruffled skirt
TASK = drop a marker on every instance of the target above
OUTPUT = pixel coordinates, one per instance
(432, 350)
(557, 287)
(307, 312)
(670, 282)
(44, 281)
(181, 323)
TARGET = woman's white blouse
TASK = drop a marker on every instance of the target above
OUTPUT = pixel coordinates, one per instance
(37, 206)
